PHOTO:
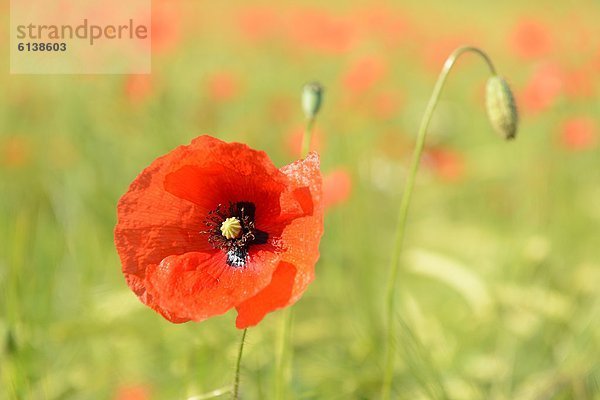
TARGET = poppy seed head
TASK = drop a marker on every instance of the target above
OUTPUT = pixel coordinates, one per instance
(231, 228)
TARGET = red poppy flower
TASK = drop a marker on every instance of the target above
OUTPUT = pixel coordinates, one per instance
(386, 104)
(448, 164)
(337, 187)
(15, 151)
(138, 88)
(258, 22)
(579, 133)
(223, 86)
(167, 19)
(134, 392)
(214, 225)
(364, 74)
(531, 39)
(321, 31)
(543, 89)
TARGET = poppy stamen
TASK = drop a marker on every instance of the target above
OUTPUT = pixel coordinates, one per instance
(233, 231)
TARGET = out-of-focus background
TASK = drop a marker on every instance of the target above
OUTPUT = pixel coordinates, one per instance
(499, 283)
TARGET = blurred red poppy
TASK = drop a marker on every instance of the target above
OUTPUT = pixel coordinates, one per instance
(281, 109)
(579, 133)
(580, 83)
(166, 26)
(134, 392)
(363, 74)
(531, 39)
(387, 104)
(321, 31)
(214, 225)
(337, 186)
(385, 24)
(15, 151)
(448, 164)
(543, 89)
(257, 22)
(138, 88)
(223, 86)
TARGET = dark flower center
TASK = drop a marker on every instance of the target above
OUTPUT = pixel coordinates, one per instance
(233, 230)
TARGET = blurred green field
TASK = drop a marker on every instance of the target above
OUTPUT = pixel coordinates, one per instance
(499, 282)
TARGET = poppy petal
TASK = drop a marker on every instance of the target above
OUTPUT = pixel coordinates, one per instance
(197, 286)
(302, 235)
(153, 224)
(301, 238)
(213, 172)
(276, 295)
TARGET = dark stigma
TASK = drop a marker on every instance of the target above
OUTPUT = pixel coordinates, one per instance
(235, 248)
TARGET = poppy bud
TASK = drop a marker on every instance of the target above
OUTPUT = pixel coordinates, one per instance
(312, 96)
(501, 108)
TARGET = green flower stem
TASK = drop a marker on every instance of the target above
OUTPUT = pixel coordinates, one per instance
(404, 206)
(307, 138)
(284, 356)
(238, 364)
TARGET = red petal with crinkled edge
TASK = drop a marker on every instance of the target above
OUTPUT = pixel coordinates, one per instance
(163, 211)
(300, 239)
(212, 172)
(276, 295)
(197, 286)
(153, 224)
(171, 266)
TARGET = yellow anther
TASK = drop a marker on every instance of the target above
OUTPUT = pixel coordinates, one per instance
(231, 228)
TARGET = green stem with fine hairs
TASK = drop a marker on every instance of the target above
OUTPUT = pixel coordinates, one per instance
(404, 206)
(284, 354)
(238, 364)
(307, 138)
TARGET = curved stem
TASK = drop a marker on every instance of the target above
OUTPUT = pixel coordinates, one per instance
(236, 381)
(404, 206)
